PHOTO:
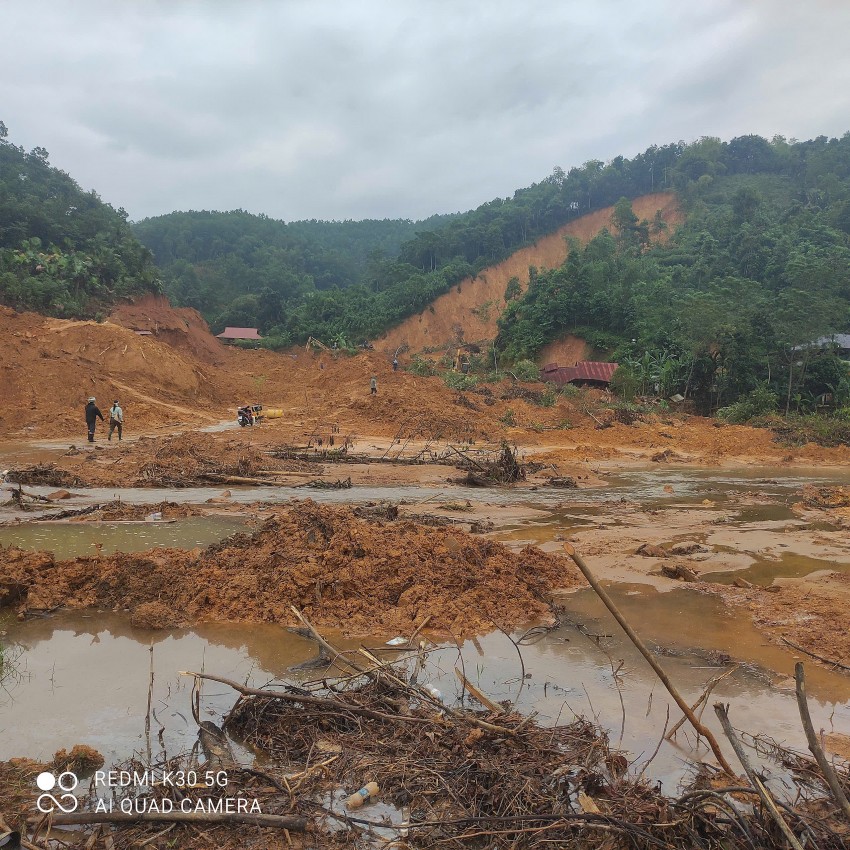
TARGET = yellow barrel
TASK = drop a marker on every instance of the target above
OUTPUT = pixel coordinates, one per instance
(272, 412)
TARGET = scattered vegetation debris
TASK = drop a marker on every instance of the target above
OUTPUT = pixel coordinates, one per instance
(43, 475)
(826, 497)
(489, 468)
(319, 484)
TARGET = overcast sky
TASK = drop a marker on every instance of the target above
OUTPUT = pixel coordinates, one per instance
(399, 108)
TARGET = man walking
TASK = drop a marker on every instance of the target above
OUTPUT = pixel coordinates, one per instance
(373, 385)
(92, 413)
(116, 419)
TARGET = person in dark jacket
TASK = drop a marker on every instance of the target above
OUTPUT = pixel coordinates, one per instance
(92, 413)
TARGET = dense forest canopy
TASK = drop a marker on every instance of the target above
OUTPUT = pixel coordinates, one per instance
(244, 269)
(63, 251)
(760, 269)
(348, 281)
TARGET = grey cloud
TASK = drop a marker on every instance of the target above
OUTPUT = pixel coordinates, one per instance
(403, 108)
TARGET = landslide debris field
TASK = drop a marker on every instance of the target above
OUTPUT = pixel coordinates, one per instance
(365, 575)
(479, 778)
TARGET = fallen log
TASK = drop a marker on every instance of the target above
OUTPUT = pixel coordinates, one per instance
(237, 479)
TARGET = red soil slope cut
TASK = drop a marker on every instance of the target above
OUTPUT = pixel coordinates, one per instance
(470, 310)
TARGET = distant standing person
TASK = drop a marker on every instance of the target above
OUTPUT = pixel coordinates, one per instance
(92, 413)
(116, 419)
(373, 385)
(395, 364)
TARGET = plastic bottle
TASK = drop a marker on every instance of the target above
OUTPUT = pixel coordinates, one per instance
(358, 798)
(434, 692)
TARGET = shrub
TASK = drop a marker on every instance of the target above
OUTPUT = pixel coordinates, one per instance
(625, 383)
(526, 370)
(760, 401)
(420, 367)
(459, 381)
(548, 397)
(508, 418)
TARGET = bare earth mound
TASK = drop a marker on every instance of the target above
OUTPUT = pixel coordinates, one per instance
(363, 577)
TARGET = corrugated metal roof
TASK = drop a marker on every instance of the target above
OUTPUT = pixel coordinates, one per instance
(239, 333)
(586, 370)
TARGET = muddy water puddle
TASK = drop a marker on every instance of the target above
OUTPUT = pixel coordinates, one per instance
(788, 565)
(83, 677)
(71, 540)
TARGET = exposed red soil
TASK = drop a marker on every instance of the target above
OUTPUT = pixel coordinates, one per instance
(470, 310)
(362, 577)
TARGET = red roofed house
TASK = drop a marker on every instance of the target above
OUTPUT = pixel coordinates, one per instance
(585, 373)
(234, 334)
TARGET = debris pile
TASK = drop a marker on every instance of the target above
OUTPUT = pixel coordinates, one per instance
(826, 497)
(367, 576)
(193, 458)
(446, 772)
(124, 512)
(43, 475)
(489, 468)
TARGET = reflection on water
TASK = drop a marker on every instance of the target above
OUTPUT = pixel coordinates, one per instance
(787, 565)
(86, 676)
(70, 540)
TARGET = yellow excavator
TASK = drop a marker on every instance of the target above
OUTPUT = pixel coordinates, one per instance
(250, 414)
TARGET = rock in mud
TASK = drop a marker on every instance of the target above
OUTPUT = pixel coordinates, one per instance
(650, 550)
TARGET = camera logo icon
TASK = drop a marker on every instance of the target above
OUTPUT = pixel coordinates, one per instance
(66, 782)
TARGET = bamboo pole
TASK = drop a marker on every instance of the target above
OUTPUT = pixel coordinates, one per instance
(671, 689)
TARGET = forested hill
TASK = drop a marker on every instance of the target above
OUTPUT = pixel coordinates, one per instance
(63, 251)
(244, 269)
(347, 281)
(760, 269)
(352, 280)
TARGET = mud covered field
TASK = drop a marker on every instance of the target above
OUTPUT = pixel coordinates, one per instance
(437, 517)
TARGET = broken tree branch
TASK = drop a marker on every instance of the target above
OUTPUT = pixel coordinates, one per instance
(814, 747)
(479, 695)
(723, 716)
(334, 653)
(703, 698)
(811, 654)
(306, 699)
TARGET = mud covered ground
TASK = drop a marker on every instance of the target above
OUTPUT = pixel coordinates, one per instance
(368, 575)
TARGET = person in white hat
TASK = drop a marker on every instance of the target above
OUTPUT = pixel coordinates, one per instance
(92, 413)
